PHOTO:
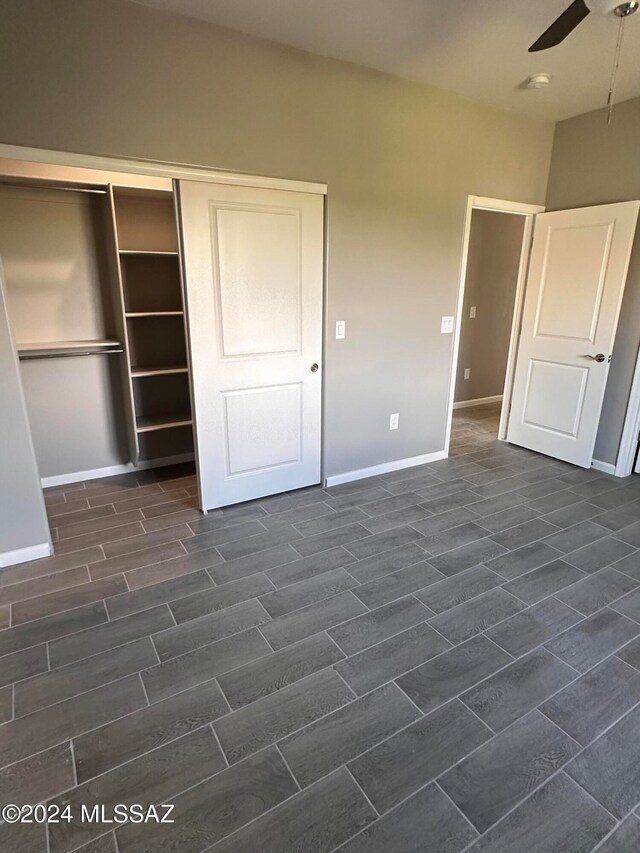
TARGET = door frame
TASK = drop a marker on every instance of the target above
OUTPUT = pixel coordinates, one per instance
(631, 430)
(528, 211)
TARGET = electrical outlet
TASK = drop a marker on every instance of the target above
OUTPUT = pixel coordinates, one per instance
(446, 326)
(393, 420)
(472, 312)
(341, 329)
(467, 373)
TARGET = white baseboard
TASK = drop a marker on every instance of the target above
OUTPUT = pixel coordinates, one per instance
(385, 468)
(25, 555)
(128, 468)
(481, 401)
(605, 467)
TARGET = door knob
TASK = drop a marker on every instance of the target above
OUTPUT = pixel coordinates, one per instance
(599, 358)
(314, 368)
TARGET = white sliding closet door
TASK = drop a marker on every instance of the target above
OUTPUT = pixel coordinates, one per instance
(252, 261)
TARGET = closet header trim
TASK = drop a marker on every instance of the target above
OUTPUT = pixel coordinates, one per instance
(177, 171)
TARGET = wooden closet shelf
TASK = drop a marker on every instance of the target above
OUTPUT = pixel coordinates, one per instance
(41, 346)
(162, 422)
(154, 314)
(148, 252)
(137, 372)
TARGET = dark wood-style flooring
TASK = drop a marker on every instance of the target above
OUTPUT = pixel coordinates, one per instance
(443, 658)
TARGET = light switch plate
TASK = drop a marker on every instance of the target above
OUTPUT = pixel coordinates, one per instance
(394, 420)
(446, 326)
(472, 312)
(341, 329)
(467, 373)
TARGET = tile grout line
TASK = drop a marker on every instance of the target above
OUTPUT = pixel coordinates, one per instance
(604, 841)
(493, 731)
(354, 695)
(155, 651)
(217, 740)
(361, 789)
(286, 764)
(591, 796)
(572, 668)
(258, 627)
(116, 843)
(144, 689)
(455, 805)
(73, 763)
(224, 699)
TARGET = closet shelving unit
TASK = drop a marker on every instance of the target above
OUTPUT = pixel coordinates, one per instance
(152, 307)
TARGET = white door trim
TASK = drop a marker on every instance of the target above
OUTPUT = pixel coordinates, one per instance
(631, 429)
(156, 168)
(475, 202)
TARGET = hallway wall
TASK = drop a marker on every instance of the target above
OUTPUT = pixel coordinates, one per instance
(495, 246)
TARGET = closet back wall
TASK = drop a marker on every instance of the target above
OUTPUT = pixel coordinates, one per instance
(57, 290)
(116, 78)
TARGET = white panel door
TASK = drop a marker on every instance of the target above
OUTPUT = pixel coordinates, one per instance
(253, 261)
(577, 273)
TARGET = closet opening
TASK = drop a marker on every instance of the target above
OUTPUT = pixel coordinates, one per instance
(114, 286)
(95, 302)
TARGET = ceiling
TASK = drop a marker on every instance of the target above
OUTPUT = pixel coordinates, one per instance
(477, 48)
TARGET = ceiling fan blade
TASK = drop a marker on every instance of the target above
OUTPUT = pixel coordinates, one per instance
(562, 26)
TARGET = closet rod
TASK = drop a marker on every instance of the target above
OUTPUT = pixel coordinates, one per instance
(33, 185)
(68, 354)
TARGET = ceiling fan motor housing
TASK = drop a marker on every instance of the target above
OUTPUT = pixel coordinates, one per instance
(605, 7)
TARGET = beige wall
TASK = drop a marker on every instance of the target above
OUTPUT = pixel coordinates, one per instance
(109, 77)
(495, 246)
(596, 163)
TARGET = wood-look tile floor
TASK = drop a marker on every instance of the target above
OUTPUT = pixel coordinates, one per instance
(444, 658)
